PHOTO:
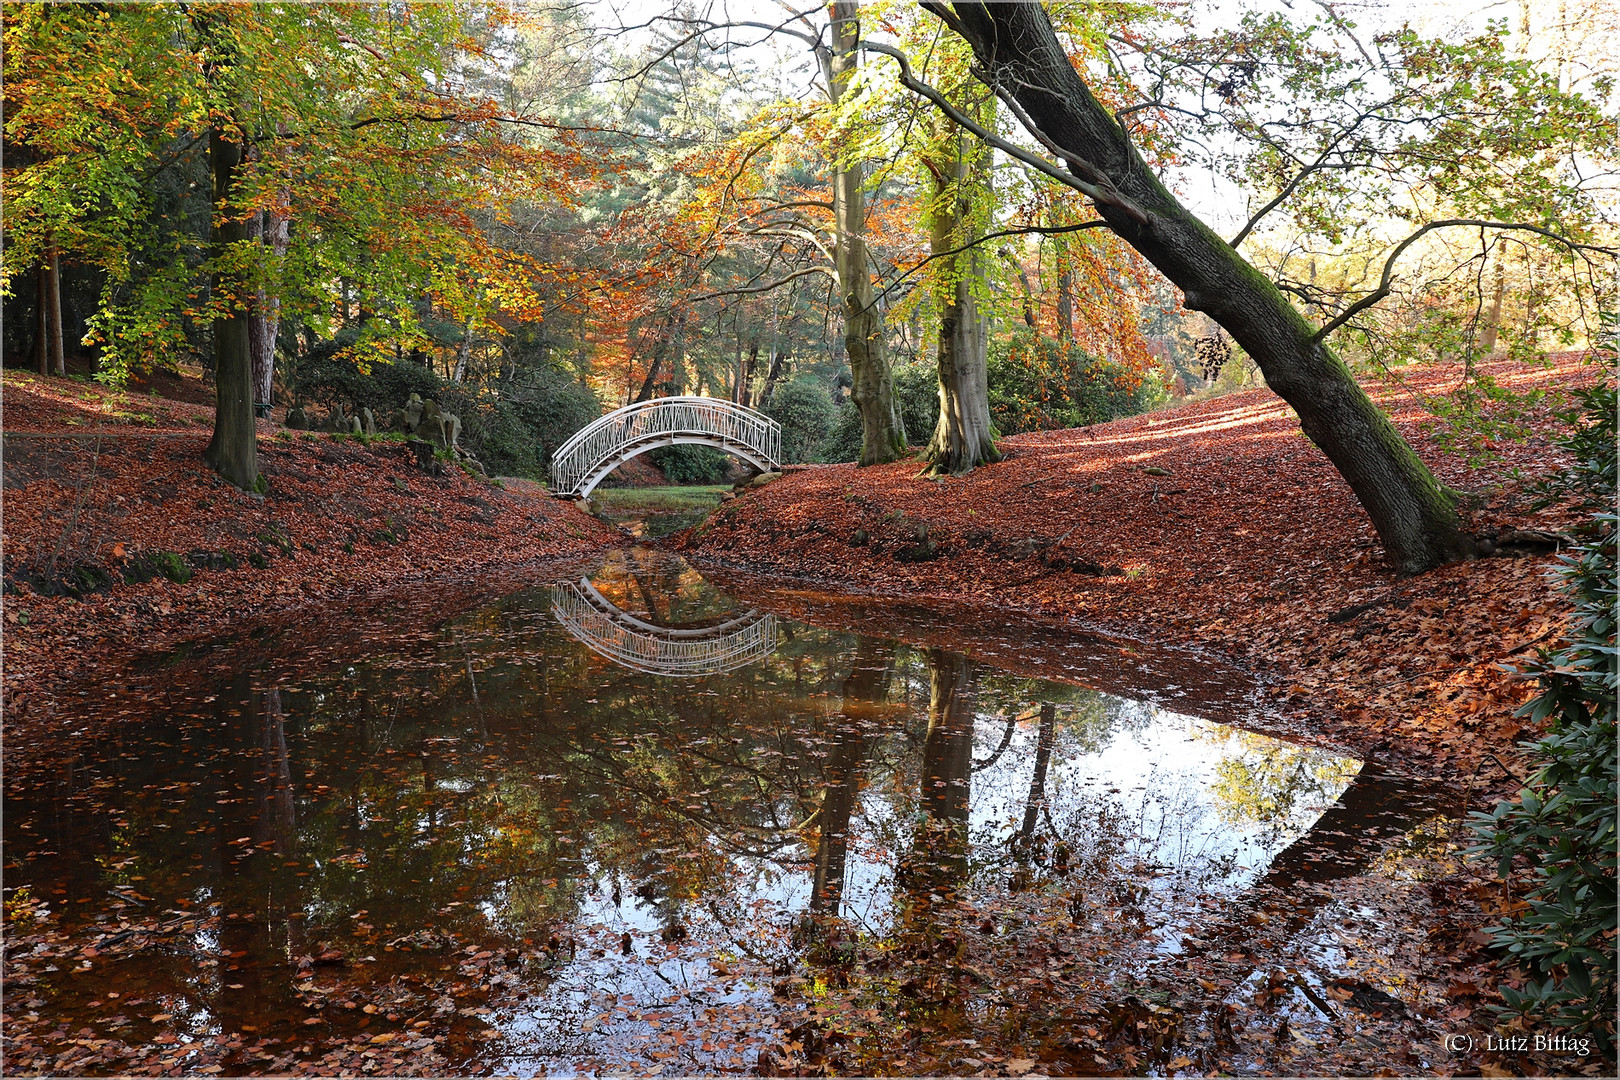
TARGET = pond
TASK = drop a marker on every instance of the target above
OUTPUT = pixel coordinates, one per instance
(626, 820)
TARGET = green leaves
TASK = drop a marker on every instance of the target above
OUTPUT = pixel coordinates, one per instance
(1559, 835)
(355, 123)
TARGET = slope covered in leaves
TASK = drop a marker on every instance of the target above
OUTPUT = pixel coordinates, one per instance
(1217, 524)
(119, 539)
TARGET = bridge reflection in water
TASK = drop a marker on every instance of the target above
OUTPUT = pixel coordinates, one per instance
(609, 631)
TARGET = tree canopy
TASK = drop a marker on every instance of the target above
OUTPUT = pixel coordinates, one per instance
(519, 198)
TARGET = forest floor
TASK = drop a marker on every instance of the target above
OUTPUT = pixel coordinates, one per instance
(118, 539)
(1219, 526)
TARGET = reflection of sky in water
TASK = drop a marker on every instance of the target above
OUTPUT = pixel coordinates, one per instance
(1155, 777)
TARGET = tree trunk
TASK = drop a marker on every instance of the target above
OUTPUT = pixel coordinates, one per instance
(233, 451)
(883, 437)
(1065, 305)
(962, 438)
(747, 396)
(1415, 516)
(1028, 304)
(677, 357)
(271, 228)
(1493, 322)
(463, 353)
(53, 307)
(773, 374)
(661, 346)
(42, 338)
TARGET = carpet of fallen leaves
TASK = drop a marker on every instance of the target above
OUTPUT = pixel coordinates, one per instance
(102, 485)
(1216, 525)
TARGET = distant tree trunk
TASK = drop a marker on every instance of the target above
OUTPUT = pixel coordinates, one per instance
(1065, 306)
(1028, 304)
(677, 356)
(1493, 321)
(233, 451)
(1415, 516)
(463, 353)
(661, 346)
(883, 437)
(773, 374)
(962, 438)
(747, 397)
(42, 338)
(270, 229)
(53, 307)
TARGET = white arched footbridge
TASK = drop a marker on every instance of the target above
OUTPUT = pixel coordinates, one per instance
(606, 629)
(582, 462)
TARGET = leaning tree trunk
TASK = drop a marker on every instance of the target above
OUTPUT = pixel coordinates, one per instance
(1415, 516)
(233, 451)
(962, 438)
(883, 436)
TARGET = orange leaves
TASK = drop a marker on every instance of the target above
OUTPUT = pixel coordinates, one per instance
(1226, 552)
(140, 490)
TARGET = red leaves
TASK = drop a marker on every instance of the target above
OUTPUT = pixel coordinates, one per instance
(118, 493)
(1231, 530)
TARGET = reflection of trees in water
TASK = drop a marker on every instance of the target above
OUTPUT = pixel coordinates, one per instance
(658, 587)
(936, 857)
(1273, 784)
(867, 684)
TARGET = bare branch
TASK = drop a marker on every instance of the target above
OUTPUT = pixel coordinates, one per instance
(807, 271)
(1383, 289)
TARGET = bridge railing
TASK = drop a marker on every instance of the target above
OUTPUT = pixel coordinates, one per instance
(660, 651)
(645, 422)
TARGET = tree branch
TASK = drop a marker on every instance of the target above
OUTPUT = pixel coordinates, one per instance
(764, 288)
(1383, 289)
(1093, 191)
(1022, 230)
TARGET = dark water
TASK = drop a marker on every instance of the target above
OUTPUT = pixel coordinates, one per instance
(631, 822)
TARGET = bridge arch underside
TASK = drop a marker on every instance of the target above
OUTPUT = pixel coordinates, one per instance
(603, 468)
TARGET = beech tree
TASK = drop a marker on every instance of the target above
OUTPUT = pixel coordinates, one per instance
(872, 389)
(958, 214)
(1021, 58)
(321, 129)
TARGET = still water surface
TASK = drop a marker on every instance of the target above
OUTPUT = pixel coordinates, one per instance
(624, 821)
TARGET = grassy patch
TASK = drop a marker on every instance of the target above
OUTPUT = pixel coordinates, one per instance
(665, 499)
